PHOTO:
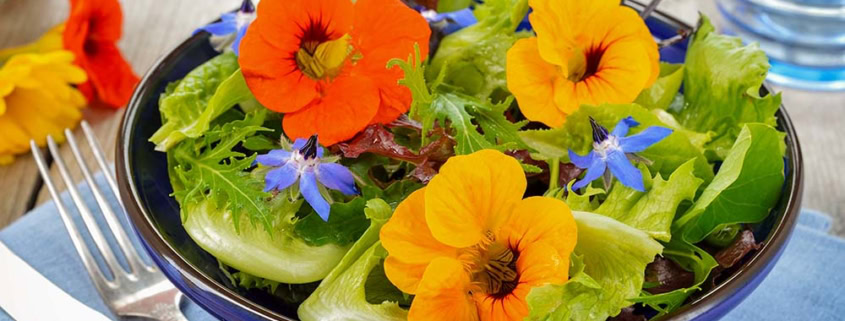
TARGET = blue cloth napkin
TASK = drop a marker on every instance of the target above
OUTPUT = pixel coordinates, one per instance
(806, 284)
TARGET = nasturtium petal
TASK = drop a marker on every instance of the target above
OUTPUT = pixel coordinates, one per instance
(443, 293)
(532, 81)
(471, 195)
(410, 243)
(335, 117)
(543, 219)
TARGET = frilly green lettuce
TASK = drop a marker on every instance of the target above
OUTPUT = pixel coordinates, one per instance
(342, 294)
(721, 87)
(189, 106)
(614, 259)
(474, 57)
(654, 210)
(663, 91)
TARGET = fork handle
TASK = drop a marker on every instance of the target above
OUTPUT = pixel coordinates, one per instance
(169, 311)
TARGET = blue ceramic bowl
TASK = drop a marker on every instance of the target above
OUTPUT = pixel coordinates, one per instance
(145, 188)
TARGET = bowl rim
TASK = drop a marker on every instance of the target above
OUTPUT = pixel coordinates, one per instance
(772, 246)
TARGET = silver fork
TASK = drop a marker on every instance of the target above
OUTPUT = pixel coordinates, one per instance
(139, 291)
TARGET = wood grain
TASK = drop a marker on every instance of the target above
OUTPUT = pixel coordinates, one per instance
(20, 180)
(151, 28)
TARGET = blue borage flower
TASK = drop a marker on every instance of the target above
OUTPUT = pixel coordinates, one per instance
(233, 23)
(304, 163)
(611, 153)
(449, 22)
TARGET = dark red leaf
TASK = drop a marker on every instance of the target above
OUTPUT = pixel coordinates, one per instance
(740, 247)
(628, 314)
(668, 275)
(378, 140)
(425, 171)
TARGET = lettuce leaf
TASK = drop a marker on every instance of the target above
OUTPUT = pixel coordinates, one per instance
(183, 106)
(278, 256)
(691, 258)
(583, 202)
(209, 169)
(663, 91)
(699, 140)
(719, 95)
(430, 104)
(342, 294)
(747, 186)
(473, 58)
(346, 224)
(667, 155)
(654, 210)
(573, 300)
(452, 5)
(614, 259)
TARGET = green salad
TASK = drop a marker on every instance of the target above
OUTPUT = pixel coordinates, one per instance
(368, 160)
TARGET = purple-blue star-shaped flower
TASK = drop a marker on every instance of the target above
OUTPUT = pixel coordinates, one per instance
(233, 23)
(611, 153)
(449, 22)
(304, 163)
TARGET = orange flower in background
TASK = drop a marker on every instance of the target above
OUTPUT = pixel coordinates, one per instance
(470, 247)
(323, 63)
(585, 52)
(91, 33)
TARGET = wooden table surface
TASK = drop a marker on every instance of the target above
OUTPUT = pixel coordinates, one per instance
(152, 28)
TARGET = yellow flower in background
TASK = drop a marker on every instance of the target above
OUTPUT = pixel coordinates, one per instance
(470, 247)
(585, 52)
(37, 98)
(50, 41)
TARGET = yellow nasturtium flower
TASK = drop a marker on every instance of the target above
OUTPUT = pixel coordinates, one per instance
(37, 98)
(470, 247)
(585, 52)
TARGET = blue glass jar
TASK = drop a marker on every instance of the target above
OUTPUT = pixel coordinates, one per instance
(805, 39)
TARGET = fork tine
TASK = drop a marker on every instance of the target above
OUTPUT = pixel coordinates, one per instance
(76, 238)
(114, 224)
(96, 234)
(101, 160)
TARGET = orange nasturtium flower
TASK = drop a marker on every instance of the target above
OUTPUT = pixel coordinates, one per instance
(470, 247)
(91, 33)
(323, 63)
(585, 52)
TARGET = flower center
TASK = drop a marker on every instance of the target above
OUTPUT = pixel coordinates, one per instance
(584, 64)
(320, 60)
(494, 271)
(606, 146)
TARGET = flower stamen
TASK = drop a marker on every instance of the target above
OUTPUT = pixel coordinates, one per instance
(323, 60)
(498, 275)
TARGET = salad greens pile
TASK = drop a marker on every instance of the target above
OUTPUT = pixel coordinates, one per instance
(720, 170)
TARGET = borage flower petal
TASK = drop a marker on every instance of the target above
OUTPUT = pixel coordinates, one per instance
(322, 62)
(611, 151)
(232, 24)
(304, 163)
